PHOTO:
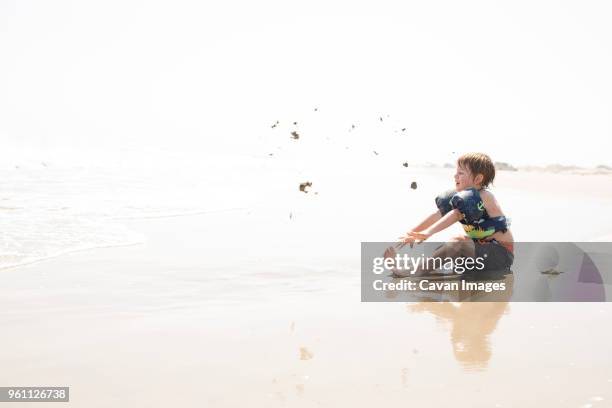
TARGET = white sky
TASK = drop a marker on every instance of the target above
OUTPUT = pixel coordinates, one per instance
(526, 81)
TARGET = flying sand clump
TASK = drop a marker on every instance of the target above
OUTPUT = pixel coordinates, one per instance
(304, 186)
(305, 354)
(294, 135)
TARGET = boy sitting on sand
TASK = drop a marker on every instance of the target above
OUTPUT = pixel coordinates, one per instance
(487, 233)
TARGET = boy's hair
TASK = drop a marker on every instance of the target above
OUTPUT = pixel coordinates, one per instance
(478, 163)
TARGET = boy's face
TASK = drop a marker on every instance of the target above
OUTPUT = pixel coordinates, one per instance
(463, 178)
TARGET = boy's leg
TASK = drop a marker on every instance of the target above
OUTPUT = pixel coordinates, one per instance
(456, 248)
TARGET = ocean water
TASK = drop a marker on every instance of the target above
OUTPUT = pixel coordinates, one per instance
(53, 206)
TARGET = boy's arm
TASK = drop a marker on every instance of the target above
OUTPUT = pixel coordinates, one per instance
(428, 221)
(442, 222)
(449, 219)
(491, 204)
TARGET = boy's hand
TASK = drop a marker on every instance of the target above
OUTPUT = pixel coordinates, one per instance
(420, 236)
(413, 237)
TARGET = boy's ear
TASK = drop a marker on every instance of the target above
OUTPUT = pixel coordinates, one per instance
(478, 179)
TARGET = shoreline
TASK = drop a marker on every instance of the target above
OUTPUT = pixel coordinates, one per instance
(521, 194)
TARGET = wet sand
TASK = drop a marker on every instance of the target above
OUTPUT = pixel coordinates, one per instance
(144, 326)
(203, 315)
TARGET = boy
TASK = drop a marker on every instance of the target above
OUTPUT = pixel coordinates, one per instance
(487, 233)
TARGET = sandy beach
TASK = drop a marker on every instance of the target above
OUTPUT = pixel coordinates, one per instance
(188, 190)
(248, 307)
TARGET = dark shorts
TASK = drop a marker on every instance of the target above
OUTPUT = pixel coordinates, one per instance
(495, 256)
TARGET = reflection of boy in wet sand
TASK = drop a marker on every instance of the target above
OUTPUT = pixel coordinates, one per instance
(472, 324)
(470, 203)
